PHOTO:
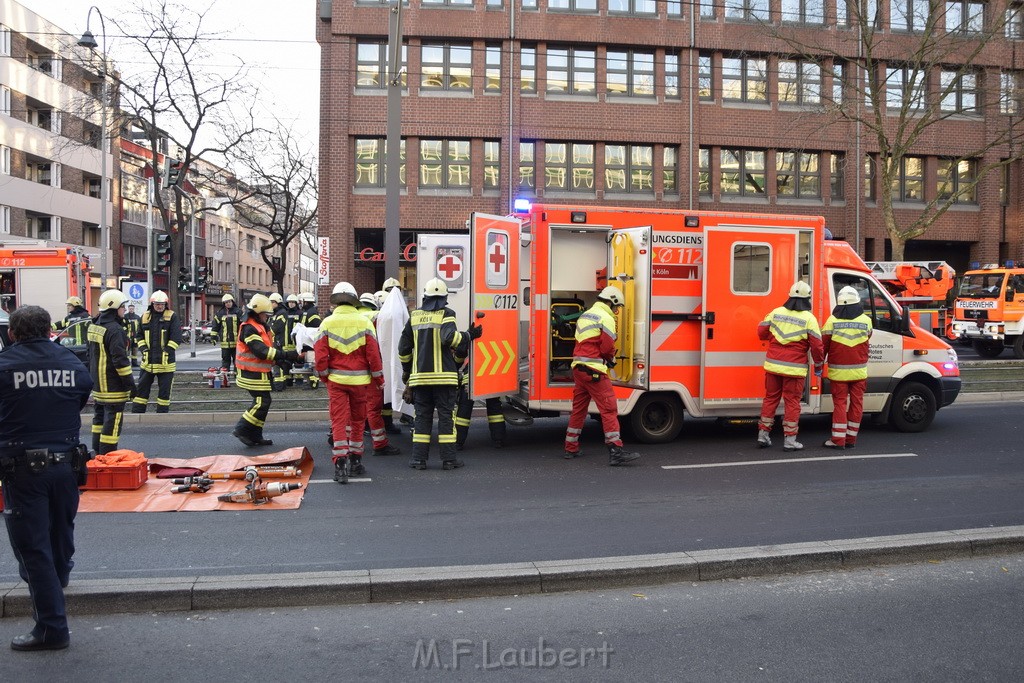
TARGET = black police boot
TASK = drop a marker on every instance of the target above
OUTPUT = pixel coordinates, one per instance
(243, 431)
(453, 464)
(616, 456)
(387, 450)
(341, 470)
(357, 467)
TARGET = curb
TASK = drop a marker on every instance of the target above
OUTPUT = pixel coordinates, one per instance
(108, 596)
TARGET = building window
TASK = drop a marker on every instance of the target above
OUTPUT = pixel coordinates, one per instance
(904, 84)
(42, 227)
(745, 79)
(798, 175)
(908, 15)
(704, 171)
(908, 185)
(569, 166)
(742, 173)
(529, 4)
(630, 73)
(705, 77)
(965, 16)
(5, 100)
(674, 8)
(492, 164)
(495, 3)
(803, 11)
(671, 76)
(837, 173)
(5, 41)
(747, 10)
(447, 2)
(582, 6)
(5, 220)
(707, 9)
(957, 180)
(134, 256)
(528, 69)
(1004, 183)
(5, 160)
(838, 76)
(959, 92)
(641, 7)
(92, 186)
(842, 18)
(446, 67)
(571, 71)
(372, 65)
(799, 82)
(1009, 92)
(527, 166)
(629, 168)
(1014, 26)
(670, 169)
(371, 162)
(492, 72)
(870, 166)
(444, 164)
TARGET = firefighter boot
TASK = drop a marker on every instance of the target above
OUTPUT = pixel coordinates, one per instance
(791, 444)
(764, 440)
(357, 468)
(452, 464)
(387, 450)
(341, 470)
(138, 408)
(389, 425)
(243, 431)
(616, 456)
(260, 440)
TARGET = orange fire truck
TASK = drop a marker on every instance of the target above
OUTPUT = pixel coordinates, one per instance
(922, 288)
(697, 284)
(42, 276)
(989, 310)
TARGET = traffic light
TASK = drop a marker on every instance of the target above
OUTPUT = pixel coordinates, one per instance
(184, 280)
(163, 251)
(171, 172)
(202, 275)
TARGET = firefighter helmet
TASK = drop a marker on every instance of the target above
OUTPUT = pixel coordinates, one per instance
(847, 295)
(112, 299)
(226, 298)
(391, 282)
(259, 303)
(612, 295)
(368, 299)
(73, 301)
(800, 290)
(344, 293)
(307, 297)
(292, 299)
(435, 287)
(380, 297)
(158, 297)
(276, 298)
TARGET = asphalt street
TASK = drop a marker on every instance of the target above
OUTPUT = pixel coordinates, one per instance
(957, 620)
(526, 502)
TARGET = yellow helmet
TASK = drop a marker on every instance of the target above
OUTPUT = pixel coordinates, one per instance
(259, 303)
(112, 299)
(73, 301)
(158, 297)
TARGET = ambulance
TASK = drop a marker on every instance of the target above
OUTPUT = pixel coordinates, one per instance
(989, 310)
(696, 286)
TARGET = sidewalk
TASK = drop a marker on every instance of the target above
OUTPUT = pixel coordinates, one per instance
(442, 583)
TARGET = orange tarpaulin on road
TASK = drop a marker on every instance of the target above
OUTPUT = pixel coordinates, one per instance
(155, 495)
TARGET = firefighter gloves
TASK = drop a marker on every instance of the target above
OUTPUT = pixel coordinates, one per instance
(475, 331)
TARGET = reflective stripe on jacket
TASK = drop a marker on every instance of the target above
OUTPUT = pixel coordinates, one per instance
(595, 338)
(346, 348)
(846, 344)
(225, 327)
(158, 338)
(254, 355)
(428, 346)
(790, 336)
(109, 365)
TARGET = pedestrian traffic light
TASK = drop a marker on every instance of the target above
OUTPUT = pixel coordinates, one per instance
(163, 251)
(171, 172)
(202, 275)
(184, 280)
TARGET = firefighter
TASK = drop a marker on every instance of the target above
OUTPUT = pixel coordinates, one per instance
(76, 314)
(131, 329)
(292, 315)
(255, 356)
(310, 317)
(427, 351)
(375, 394)
(159, 337)
(845, 338)
(388, 412)
(791, 332)
(225, 331)
(593, 354)
(111, 370)
(464, 413)
(278, 326)
(348, 360)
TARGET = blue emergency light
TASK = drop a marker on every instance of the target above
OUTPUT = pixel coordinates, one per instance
(1010, 263)
(522, 206)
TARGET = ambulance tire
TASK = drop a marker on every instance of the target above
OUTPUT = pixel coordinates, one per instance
(912, 408)
(987, 348)
(1018, 346)
(656, 418)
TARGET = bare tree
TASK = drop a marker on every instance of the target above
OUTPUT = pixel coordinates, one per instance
(902, 80)
(178, 90)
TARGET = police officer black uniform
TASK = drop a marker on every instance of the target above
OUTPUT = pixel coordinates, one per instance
(43, 388)
(113, 381)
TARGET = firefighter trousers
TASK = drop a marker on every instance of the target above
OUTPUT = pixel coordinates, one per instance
(847, 411)
(591, 385)
(347, 407)
(227, 356)
(107, 419)
(427, 399)
(163, 393)
(464, 413)
(258, 410)
(789, 390)
(375, 416)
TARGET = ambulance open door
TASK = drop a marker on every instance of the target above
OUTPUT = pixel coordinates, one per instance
(629, 269)
(494, 273)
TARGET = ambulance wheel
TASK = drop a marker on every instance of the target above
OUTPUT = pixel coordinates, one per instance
(912, 408)
(656, 418)
(987, 348)
(1018, 346)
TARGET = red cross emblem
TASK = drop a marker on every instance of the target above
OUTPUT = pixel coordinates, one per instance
(497, 259)
(449, 267)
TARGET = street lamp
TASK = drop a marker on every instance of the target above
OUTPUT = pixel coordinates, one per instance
(89, 41)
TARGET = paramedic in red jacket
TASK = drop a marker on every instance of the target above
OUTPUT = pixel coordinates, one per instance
(791, 332)
(846, 338)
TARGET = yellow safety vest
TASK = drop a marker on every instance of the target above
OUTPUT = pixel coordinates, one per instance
(848, 333)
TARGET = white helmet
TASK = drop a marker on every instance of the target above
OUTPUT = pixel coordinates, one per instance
(612, 295)
(159, 297)
(276, 298)
(847, 295)
(307, 297)
(344, 293)
(391, 282)
(112, 299)
(800, 290)
(73, 301)
(226, 298)
(368, 299)
(259, 303)
(435, 287)
(292, 299)
(380, 297)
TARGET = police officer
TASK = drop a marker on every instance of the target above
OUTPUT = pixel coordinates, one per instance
(225, 330)
(310, 317)
(131, 328)
(593, 354)
(845, 340)
(427, 351)
(113, 382)
(43, 388)
(278, 324)
(159, 337)
(255, 358)
(791, 332)
(76, 314)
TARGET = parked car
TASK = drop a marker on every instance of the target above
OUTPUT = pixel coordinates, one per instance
(67, 337)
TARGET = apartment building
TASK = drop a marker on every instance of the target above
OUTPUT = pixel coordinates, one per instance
(50, 139)
(662, 103)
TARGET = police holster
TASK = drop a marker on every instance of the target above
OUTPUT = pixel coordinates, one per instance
(80, 456)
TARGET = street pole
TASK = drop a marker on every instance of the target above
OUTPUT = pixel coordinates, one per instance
(89, 41)
(192, 305)
(150, 189)
(392, 207)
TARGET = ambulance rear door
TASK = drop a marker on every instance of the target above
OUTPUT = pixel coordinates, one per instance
(494, 248)
(629, 269)
(445, 256)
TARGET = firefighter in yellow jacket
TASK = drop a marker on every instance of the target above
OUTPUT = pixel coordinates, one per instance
(254, 359)
(846, 337)
(158, 338)
(111, 370)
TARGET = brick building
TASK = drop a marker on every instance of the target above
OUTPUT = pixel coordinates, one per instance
(663, 103)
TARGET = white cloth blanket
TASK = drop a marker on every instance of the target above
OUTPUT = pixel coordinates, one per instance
(391, 321)
(305, 336)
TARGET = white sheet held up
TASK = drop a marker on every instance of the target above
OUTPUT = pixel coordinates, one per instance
(391, 321)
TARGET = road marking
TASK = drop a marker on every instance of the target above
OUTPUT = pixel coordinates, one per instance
(351, 480)
(786, 460)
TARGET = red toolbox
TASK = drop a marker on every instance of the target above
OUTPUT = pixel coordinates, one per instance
(112, 478)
